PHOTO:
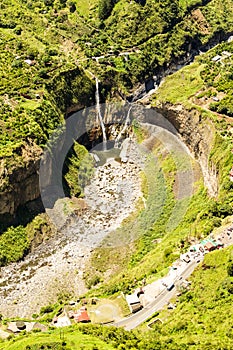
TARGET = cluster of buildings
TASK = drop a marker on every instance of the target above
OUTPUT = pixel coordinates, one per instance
(220, 58)
(80, 315)
(198, 250)
(206, 245)
(140, 297)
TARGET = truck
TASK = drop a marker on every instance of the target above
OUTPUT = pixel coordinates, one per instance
(170, 286)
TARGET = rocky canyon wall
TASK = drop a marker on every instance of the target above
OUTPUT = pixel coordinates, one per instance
(198, 133)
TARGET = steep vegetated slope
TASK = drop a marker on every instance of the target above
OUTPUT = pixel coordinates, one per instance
(187, 98)
(42, 45)
(49, 51)
(202, 319)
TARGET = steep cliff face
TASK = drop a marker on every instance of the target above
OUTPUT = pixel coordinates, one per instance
(198, 134)
(19, 173)
(20, 185)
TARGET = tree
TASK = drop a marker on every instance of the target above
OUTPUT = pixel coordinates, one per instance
(230, 268)
(48, 2)
(72, 7)
(105, 8)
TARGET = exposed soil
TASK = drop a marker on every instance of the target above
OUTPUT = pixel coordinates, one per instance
(56, 267)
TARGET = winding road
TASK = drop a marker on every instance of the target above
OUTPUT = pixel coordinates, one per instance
(141, 316)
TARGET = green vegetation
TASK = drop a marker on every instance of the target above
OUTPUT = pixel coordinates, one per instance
(55, 339)
(80, 168)
(105, 8)
(187, 83)
(47, 49)
(13, 245)
(206, 83)
(41, 44)
(46, 70)
(154, 235)
(203, 317)
(158, 222)
(16, 242)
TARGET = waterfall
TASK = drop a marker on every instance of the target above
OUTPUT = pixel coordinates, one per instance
(98, 111)
(127, 121)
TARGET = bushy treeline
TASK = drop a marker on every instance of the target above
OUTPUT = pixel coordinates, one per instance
(105, 8)
(16, 242)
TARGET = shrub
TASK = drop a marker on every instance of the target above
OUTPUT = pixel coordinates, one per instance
(230, 268)
(18, 30)
(72, 7)
(13, 245)
(105, 8)
(46, 309)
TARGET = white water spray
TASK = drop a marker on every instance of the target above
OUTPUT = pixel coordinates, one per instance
(97, 97)
(127, 122)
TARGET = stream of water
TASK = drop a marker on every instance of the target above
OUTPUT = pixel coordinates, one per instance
(98, 110)
(126, 125)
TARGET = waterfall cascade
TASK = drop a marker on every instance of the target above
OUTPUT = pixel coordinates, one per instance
(127, 122)
(97, 97)
(100, 119)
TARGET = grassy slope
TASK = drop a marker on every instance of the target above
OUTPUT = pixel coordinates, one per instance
(205, 305)
(201, 320)
(203, 317)
(73, 340)
(201, 80)
(196, 86)
(57, 39)
(54, 38)
(190, 86)
(33, 98)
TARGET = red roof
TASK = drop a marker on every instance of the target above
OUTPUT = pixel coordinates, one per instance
(83, 317)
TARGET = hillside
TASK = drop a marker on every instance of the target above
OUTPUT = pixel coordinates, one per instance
(202, 318)
(47, 51)
(51, 54)
(43, 40)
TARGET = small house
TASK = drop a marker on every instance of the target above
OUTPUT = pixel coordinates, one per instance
(209, 246)
(82, 316)
(216, 58)
(133, 302)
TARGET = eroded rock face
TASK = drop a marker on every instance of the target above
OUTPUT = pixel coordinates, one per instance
(57, 265)
(198, 135)
(21, 185)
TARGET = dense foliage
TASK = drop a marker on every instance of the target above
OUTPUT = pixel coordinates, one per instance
(79, 169)
(202, 319)
(105, 8)
(42, 42)
(15, 242)
(48, 51)
(13, 245)
(191, 87)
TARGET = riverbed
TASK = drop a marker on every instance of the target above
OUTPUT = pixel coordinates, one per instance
(56, 267)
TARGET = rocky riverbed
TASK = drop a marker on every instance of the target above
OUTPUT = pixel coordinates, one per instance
(56, 267)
